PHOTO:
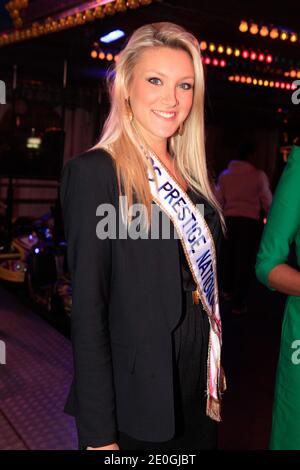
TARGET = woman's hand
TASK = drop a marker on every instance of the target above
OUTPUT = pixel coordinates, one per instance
(113, 446)
(285, 279)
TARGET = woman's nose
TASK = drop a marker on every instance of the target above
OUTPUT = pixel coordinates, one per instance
(169, 97)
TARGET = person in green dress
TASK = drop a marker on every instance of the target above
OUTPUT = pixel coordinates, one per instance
(272, 269)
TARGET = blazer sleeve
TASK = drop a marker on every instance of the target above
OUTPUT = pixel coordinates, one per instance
(86, 182)
(283, 221)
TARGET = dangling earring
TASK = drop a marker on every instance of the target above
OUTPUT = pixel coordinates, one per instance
(129, 110)
(180, 129)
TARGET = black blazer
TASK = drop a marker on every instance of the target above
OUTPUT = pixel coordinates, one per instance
(126, 301)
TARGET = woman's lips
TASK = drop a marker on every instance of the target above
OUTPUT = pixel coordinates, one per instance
(167, 116)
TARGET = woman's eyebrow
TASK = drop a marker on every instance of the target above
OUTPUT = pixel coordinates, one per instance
(164, 75)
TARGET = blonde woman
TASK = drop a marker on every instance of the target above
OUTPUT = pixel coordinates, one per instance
(146, 328)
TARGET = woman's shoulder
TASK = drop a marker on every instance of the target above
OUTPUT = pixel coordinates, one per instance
(294, 156)
(95, 159)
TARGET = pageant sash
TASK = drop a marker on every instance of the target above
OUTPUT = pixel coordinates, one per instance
(199, 249)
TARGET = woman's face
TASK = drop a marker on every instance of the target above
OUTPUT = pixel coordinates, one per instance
(161, 92)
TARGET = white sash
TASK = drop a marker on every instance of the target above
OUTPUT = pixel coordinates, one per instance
(199, 249)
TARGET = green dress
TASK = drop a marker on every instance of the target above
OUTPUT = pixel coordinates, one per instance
(281, 230)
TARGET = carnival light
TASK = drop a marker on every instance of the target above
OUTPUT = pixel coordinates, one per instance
(248, 80)
(274, 33)
(84, 13)
(264, 31)
(243, 26)
(254, 29)
(271, 31)
(214, 61)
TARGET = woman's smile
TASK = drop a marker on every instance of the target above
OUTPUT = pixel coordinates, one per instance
(165, 115)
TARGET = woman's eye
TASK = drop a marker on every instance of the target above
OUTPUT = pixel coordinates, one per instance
(186, 86)
(154, 81)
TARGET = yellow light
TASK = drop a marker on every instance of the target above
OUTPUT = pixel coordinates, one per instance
(298, 74)
(271, 84)
(231, 78)
(249, 80)
(99, 12)
(237, 78)
(101, 55)
(254, 29)
(254, 81)
(293, 73)
(294, 38)
(220, 49)
(94, 54)
(212, 47)
(116, 57)
(243, 79)
(264, 31)
(237, 52)
(243, 26)
(283, 36)
(109, 56)
(203, 45)
(266, 83)
(260, 82)
(89, 15)
(228, 51)
(274, 33)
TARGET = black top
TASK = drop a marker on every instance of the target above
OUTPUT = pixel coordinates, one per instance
(190, 343)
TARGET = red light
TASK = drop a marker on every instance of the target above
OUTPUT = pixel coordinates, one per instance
(222, 63)
(215, 62)
(207, 60)
(265, 220)
(282, 85)
(261, 57)
(245, 54)
(253, 56)
(269, 58)
(288, 86)
(279, 110)
(277, 84)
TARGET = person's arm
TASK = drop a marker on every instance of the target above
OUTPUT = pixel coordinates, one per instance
(265, 195)
(280, 231)
(285, 279)
(86, 182)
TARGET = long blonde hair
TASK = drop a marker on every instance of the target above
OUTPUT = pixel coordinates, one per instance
(119, 136)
